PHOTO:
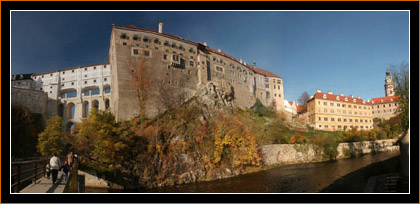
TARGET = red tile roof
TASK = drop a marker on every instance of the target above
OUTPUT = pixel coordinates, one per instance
(291, 103)
(255, 69)
(387, 99)
(333, 97)
(300, 108)
(262, 71)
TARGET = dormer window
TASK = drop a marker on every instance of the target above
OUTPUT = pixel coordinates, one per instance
(354, 100)
(391, 100)
(346, 99)
(337, 98)
(324, 96)
(382, 101)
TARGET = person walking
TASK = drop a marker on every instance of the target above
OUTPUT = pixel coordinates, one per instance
(55, 165)
(65, 169)
(70, 160)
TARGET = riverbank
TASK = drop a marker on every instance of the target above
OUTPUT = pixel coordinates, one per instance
(293, 178)
(307, 153)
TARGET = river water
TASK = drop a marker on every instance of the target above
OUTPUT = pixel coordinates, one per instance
(346, 175)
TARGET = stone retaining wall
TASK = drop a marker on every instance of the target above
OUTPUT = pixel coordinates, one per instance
(305, 153)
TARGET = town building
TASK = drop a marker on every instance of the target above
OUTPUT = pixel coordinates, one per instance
(385, 107)
(179, 67)
(327, 111)
(71, 92)
(290, 107)
(175, 69)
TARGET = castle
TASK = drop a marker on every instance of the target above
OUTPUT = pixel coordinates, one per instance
(175, 67)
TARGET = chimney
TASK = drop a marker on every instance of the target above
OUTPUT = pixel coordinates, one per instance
(351, 95)
(312, 96)
(160, 27)
(330, 92)
(255, 64)
(205, 43)
(240, 61)
(318, 90)
(244, 63)
(219, 50)
(358, 97)
(341, 94)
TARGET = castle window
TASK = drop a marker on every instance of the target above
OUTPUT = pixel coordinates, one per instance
(338, 105)
(72, 71)
(135, 37)
(146, 53)
(50, 75)
(219, 69)
(156, 41)
(123, 36)
(267, 86)
(165, 57)
(64, 72)
(191, 63)
(94, 81)
(105, 79)
(108, 89)
(174, 45)
(135, 51)
(181, 48)
(94, 67)
(166, 43)
(325, 119)
(124, 43)
(85, 69)
(145, 39)
(191, 50)
(175, 58)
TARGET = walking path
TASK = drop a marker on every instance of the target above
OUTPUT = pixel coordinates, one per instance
(45, 185)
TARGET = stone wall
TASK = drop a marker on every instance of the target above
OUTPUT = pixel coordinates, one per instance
(305, 153)
(35, 101)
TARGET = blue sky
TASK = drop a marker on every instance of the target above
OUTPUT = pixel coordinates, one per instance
(343, 52)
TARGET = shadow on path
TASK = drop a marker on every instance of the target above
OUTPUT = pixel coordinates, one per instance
(55, 186)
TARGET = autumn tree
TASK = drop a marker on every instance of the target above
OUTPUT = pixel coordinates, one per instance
(50, 140)
(140, 84)
(24, 134)
(303, 99)
(401, 79)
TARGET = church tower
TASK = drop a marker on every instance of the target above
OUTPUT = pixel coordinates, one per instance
(389, 84)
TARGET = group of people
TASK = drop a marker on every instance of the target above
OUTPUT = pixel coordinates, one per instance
(55, 165)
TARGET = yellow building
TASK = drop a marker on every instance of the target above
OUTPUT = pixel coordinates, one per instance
(330, 112)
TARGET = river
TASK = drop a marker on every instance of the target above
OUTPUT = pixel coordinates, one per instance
(345, 175)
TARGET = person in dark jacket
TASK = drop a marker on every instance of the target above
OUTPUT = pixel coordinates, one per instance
(65, 169)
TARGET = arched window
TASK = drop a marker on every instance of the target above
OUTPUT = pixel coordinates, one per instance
(107, 89)
(106, 104)
(85, 112)
(95, 104)
(70, 110)
(69, 93)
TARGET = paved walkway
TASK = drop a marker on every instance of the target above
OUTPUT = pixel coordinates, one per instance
(45, 185)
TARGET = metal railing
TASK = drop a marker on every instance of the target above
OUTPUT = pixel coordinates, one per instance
(23, 172)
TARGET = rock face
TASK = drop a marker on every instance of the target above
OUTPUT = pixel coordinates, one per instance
(305, 153)
(214, 97)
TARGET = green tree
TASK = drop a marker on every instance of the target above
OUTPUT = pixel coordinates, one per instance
(25, 128)
(401, 79)
(50, 140)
